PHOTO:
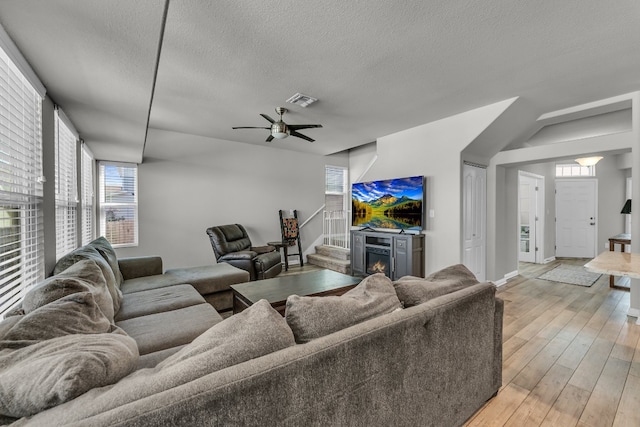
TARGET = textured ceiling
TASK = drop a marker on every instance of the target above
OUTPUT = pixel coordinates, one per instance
(377, 67)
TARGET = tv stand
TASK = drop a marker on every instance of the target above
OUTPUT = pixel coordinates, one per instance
(394, 254)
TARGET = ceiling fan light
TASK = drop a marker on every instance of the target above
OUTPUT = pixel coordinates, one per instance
(279, 130)
(279, 135)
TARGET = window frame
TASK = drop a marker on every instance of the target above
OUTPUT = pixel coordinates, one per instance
(574, 170)
(66, 185)
(87, 195)
(103, 205)
(331, 189)
(21, 177)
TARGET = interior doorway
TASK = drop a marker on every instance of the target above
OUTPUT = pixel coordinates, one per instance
(576, 225)
(530, 217)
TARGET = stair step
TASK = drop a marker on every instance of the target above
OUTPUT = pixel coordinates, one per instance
(333, 252)
(339, 265)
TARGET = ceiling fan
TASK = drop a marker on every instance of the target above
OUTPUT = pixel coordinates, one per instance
(280, 129)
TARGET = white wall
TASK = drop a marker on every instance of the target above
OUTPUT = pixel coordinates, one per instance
(434, 150)
(188, 183)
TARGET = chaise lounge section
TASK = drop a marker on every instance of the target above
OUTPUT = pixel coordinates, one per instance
(211, 281)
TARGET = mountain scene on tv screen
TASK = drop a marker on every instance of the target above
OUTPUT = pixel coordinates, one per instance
(394, 203)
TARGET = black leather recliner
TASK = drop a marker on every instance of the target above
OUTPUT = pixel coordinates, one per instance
(231, 244)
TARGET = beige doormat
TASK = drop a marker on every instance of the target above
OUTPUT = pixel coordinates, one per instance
(571, 274)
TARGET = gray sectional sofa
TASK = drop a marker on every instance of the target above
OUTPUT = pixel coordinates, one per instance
(417, 352)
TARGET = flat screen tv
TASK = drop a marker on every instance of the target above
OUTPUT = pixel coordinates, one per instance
(388, 204)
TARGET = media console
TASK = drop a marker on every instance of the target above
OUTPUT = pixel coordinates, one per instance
(394, 254)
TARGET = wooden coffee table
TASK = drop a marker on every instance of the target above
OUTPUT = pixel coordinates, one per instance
(276, 290)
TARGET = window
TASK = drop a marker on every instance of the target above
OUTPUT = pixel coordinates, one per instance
(336, 220)
(574, 169)
(21, 243)
(87, 195)
(335, 188)
(66, 186)
(119, 203)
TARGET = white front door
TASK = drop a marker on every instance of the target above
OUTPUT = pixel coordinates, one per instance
(530, 215)
(576, 203)
(474, 207)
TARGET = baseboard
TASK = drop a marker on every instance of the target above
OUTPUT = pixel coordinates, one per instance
(506, 278)
(500, 282)
(548, 260)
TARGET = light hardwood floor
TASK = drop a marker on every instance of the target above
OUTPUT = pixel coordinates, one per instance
(571, 356)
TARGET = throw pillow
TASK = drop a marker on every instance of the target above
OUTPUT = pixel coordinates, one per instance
(83, 276)
(415, 290)
(104, 248)
(454, 272)
(314, 317)
(77, 313)
(255, 332)
(88, 252)
(52, 372)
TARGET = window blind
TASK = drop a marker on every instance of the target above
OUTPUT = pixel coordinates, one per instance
(21, 232)
(335, 198)
(87, 195)
(336, 179)
(66, 188)
(118, 185)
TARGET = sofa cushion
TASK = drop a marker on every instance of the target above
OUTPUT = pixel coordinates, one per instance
(314, 317)
(132, 267)
(104, 248)
(149, 282)
(208, 279)
(158, 300)
(415, 290)
(160, 331)
(88, 252)
(54, 371)
(254, 332)
(73, 314)
(83, 276)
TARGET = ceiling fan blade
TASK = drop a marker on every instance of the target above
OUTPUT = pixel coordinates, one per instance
(299, 135)
(268, 118)
(269, 138)
(298, 127)
(249, 127)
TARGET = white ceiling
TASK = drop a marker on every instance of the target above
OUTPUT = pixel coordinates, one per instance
(376, 66)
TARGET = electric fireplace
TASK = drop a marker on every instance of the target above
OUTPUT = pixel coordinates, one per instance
(378, 261)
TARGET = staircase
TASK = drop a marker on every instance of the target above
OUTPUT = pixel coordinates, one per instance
(332, 258)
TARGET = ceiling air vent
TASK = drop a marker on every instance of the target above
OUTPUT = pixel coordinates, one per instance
(301, 100)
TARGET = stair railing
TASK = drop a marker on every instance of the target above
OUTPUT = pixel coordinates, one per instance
(335, 228)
